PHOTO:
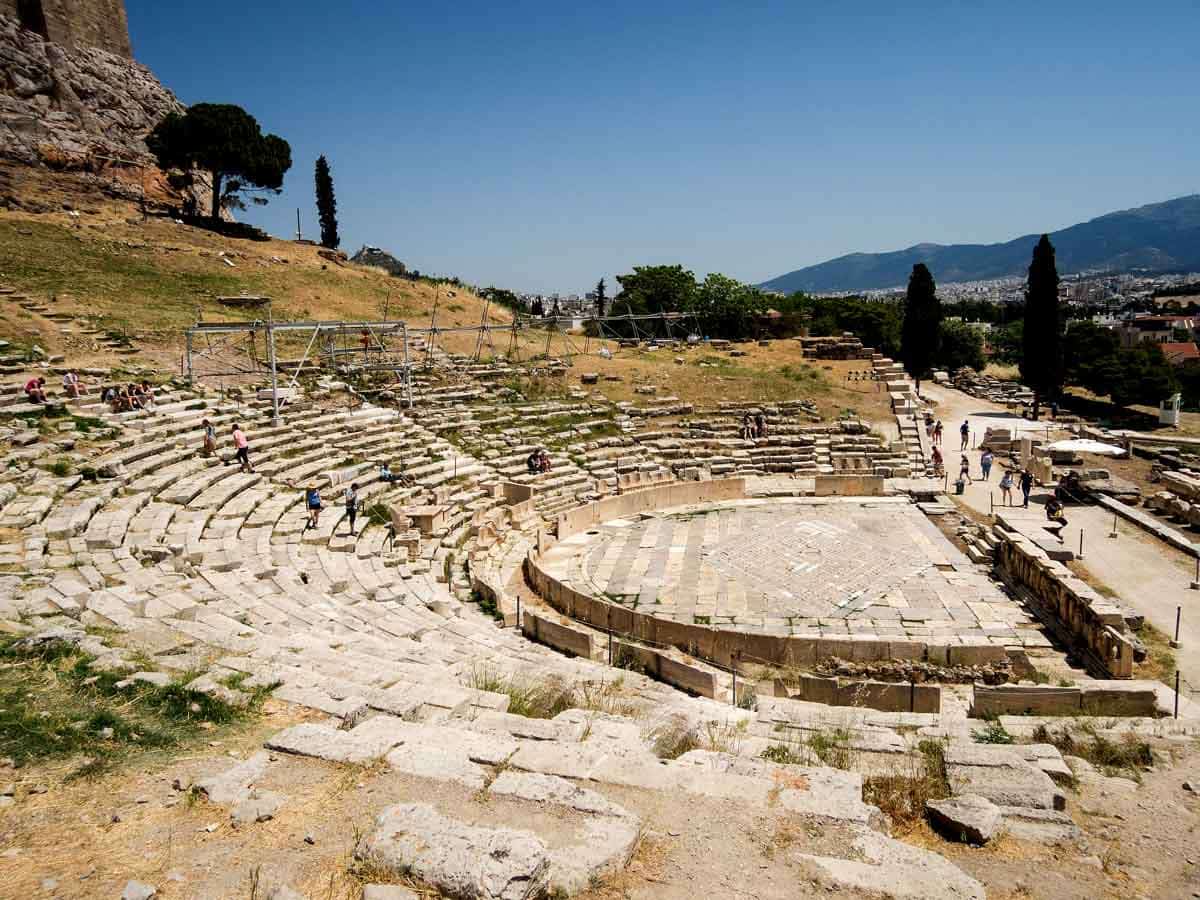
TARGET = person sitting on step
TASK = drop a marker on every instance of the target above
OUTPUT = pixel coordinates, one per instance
(73, 386)
(35, 390)
(1055, 513)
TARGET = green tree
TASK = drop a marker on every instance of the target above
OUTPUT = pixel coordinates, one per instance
(1007, 342)
(959, 345)
(920, 334)
(727, 308)
(1146, 377)
(326, 205)
(1042, 361)
(1138, 375)
(656, 289)
(226, 141)
(601, 298)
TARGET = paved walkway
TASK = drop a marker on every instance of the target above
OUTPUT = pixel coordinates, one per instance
(1148, 576)
(804, 567)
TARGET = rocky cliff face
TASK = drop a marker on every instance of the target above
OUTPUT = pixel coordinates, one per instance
(66, 109)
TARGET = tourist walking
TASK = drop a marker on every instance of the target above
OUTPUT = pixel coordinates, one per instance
(1006, 486)
(937, 432)
(964, 470)
(1026, 487)
(210, 438)
(241, 448)
(965, 431)
(351, 497)
(312, 502)
(747, 428)
(985, 464)
(938, 464)
(760, 425)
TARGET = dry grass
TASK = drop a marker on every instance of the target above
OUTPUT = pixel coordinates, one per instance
(152, 278)
(546, 700)
(902, 795)
(677, 736)
(1125, 756)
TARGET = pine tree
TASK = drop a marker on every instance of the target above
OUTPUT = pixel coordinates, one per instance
(326, 205)
(1042, 363)
(920, 334)
(600, 299)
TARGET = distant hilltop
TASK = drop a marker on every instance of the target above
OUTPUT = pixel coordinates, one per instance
(1160, 237)
(381, 259)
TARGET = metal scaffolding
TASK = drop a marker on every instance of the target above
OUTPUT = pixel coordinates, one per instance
(373, 342)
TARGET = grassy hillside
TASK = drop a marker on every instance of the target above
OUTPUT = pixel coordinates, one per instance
(152, 278)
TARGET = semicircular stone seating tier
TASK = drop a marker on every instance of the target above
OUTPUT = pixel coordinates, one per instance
(205, 566)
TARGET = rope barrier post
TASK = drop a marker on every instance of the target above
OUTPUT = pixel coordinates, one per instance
(1080, 543)
(1177, 693)
(1175, 644)
(610, 647)
(1195, 585)
(1113, 533)
(519, 626)
(733, 663)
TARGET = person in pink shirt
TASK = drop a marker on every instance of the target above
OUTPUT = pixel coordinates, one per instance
(243, 448)
(35, 390)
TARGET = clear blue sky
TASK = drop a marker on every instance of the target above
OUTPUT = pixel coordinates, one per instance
(539, 146)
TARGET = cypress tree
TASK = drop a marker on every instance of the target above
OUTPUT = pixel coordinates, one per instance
(601, 298)
(1042, 363)
(920, 333)
(326, 205)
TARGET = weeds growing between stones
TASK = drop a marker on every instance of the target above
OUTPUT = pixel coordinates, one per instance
(53, 705)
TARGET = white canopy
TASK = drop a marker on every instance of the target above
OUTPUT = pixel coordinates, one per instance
(1085, 445)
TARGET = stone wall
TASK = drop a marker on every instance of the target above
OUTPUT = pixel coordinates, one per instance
(664, 496)
(1091, 698)
(1082, 618)
(560, 637)
(667, 670)
(881, 695)
(722, 647)
(101, 24)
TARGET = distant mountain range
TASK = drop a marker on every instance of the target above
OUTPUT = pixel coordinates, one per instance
(1160, 237)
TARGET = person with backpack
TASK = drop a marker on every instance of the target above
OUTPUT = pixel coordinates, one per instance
(312, 502)
(351, 498)
(1026, 486)
(965, 431)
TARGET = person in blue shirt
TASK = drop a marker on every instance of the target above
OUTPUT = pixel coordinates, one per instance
(312, 500)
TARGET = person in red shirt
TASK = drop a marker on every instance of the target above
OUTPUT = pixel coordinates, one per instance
(35, 390)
